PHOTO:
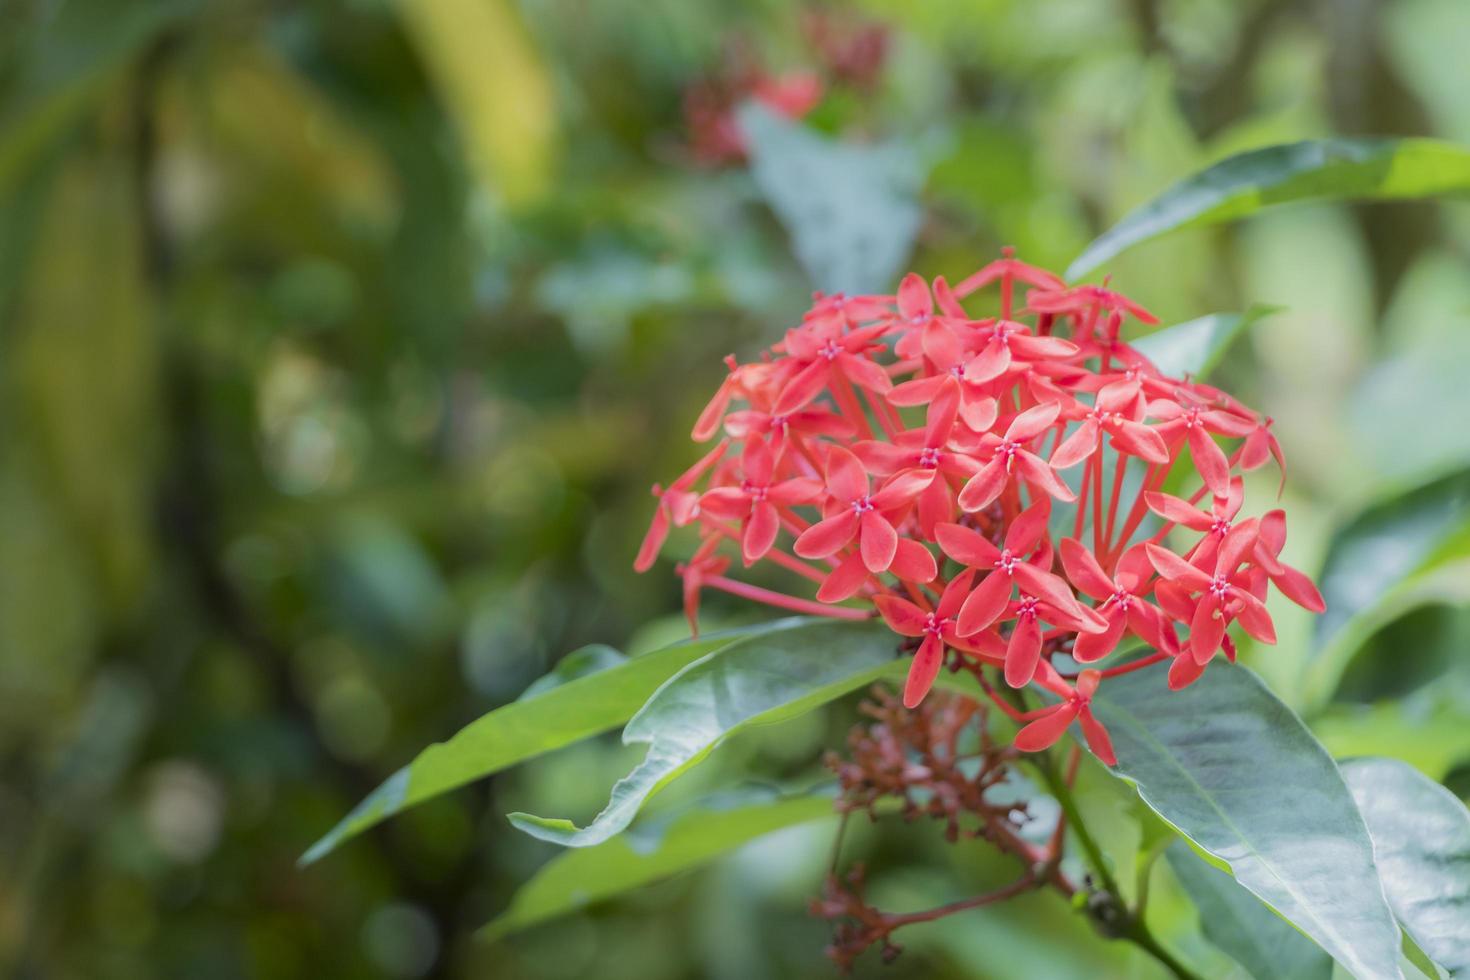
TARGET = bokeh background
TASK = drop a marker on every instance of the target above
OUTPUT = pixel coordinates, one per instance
(341, 342)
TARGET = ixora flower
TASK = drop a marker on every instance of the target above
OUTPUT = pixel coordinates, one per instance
(1002, 491)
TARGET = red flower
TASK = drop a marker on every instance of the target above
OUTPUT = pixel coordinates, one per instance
(1044, 731)
(754, 503)
(841, 490)
(1120, 601)
(854, 513)
(1008, 453)
(1223, 595)
(937, 628)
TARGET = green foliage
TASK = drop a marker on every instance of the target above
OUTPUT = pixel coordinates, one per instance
(1231, 768)
(1241, 925)
(1421, 837)
(852, 211)
(342, 342)
(653, 849)
(757, 680)
(1376, 169)
(1397, 556)
(1196, 347)
(569, 704)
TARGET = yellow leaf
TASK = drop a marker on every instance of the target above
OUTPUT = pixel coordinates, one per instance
(495, 87)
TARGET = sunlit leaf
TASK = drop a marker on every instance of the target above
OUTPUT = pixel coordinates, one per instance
(1393, 558)
(565, 712)
(496, 87)
(1235, 771)
(651, 850)
(1237, 922)
(1421, 836)
(852, 210)
(757, 681)
(1361, 169)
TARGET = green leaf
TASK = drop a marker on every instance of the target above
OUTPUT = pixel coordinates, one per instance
(756, 681)
(1362, 169)
(1195, 347)
(1248, 931)
(591, 659)
(1393, 558)
(496, 87)
(649, 851)
(852, 211)
(565, 712)
(1421, 836)
(79, 49)
(1235, 771)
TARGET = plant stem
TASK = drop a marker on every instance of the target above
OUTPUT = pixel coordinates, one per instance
(1136, 929)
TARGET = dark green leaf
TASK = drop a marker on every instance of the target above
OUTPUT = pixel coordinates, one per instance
(1421, 836)
(649, 851)
(1363, 169)
(1237, 772)
(756, 681)
(566, 712)
(1393, 558)
(852, 211)
(83, 46)
(1237, 922)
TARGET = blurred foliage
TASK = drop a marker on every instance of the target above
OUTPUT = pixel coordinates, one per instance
(341, 343)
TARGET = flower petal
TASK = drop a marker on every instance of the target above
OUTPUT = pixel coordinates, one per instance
(1094, 646)
(985, 604)
(1076, 447)
(982, 489)
(1097, 738)
(902, 616)
(966, 545)
(954, 594)
(1206, 630)
(1210, 460)
(1023, 652)
(1082, 568)
(827, 537)
(923, 670)
(878, 541)
(844, 581)
(912, 562)
(761, 529)
(846, 479)
(1044, 732)
(1033, 422)
(913, 297)
(653, 541)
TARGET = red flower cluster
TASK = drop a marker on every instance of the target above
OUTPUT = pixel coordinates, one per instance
(911, 457)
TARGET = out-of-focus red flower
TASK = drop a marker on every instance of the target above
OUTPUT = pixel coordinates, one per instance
(901, 458)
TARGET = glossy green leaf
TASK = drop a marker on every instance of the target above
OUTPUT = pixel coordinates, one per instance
(1421, 836)
(1395, 557)
(1359, 169)
(1235, 771)
(652, 850)
(1241, 926)
(851, 210)
(565, 712)
(1195, 347)
(756, 681)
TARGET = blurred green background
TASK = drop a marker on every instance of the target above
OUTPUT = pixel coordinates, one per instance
(342, 341)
